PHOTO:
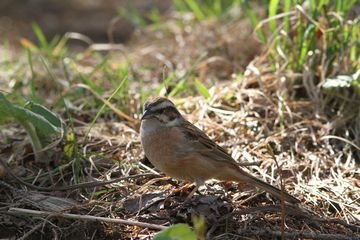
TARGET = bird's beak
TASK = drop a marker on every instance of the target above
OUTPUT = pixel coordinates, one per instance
(146, 115)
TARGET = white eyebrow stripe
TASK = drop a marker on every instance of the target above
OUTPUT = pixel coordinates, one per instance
(172, 123)
(162, 105)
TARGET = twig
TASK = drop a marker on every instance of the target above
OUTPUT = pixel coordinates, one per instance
(31, 231)
(271, 208)
(299, 212)
(282, 201)
(303, 12)
(110, 105)
(276, 17)
(296, 234)
(89, 184)
(72, 187)
(85, 217)
(341, 139)
(149, 169)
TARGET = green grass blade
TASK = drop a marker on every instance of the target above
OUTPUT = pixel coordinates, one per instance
(56, 39)
(33, 76)
(47, 68)
(166, 82)
(180, 86)
(273, 6)
(40, 36)
(354, 50)
(313, 6)
(254, 20)
(307, 39)
(180, 5)
(122, 83)
(195, 8)
(287, 6)
(339, 5)
(202, 89)
(217, 8)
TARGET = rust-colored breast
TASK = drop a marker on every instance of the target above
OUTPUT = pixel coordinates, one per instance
(160, 148)
(170, 151)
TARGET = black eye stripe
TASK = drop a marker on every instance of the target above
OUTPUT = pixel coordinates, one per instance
(171, 112)
(159, 111)
(167, 109)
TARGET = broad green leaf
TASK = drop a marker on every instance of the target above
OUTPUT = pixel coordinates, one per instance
(10, 111)
(176, 232)
(42, 125)
(46, 113)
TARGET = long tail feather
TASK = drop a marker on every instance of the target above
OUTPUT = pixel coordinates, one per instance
(240, 175)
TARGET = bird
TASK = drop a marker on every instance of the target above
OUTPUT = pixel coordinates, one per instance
(182, 151)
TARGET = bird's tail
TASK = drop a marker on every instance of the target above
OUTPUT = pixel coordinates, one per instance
(240, 175)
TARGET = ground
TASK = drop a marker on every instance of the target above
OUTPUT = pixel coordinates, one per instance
(268, 120)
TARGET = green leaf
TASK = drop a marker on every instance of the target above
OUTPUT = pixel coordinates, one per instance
(254, 20)
(40, 36)
(46, 113)
(199, 226)
(70, 145)
(176, 232)
(42, 125)
(166, 82)
(195, 7)
(121, 85)
(273, 6)
(354, 49)
(180, 5)
(180, 86)
(11, 111)
(287, 6)
(202, 89)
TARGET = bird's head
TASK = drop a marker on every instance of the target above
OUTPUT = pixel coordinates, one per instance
(162, 110)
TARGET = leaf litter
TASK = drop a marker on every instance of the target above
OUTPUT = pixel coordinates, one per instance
(245, 116)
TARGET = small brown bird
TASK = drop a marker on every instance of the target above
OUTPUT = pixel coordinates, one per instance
(182, 151)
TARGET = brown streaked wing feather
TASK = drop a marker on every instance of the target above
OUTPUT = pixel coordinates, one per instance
(204, 145)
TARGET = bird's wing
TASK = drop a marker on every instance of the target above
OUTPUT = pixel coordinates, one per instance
(204, 145)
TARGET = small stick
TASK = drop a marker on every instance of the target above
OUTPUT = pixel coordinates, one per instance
(295, 211)
(282, 201)
(85, 217)
(71, 187)
(296, 234)
(32, 230)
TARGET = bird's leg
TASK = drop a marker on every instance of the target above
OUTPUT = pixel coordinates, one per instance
(182, 188)
(191, 194)
(198, 183)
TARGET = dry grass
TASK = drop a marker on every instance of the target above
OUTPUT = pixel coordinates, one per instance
(248, 116)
